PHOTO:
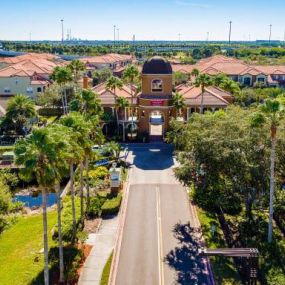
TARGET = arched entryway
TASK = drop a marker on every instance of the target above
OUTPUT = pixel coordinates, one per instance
(156, 124)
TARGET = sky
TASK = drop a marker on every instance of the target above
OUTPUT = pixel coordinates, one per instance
(147, 19)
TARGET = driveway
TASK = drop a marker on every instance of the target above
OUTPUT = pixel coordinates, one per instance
(159, 242)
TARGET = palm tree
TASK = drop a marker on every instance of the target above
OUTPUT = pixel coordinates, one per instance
(81, 130)
(203, 81)
(195, 72)
(178, 103)
(272, 111)
(37, 154)
(60, 136)
(20, 110)
(62, 76)
(76, 66)
(121, 104)
(130, 74)
(112, 84)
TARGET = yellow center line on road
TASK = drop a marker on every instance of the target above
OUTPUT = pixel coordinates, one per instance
(159, 238)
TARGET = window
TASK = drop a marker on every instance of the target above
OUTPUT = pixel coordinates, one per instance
(7, 90)
(39, 89)
(30, 90)
(156, 85)
(260, 79)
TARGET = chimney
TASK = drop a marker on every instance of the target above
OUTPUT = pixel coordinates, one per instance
(85, 82)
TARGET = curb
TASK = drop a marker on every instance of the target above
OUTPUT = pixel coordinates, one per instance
(117, 248)
(206, 260)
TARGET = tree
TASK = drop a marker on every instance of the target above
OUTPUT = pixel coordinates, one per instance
(20, 111)
(60, 135)
(178, 103)
(195, 72)
(62, 76)
(76, 66)
(272, 112)
(87, 102)
(37, 155)
(82, 130)
(113, 84)
(101, 75)
(131, 73)
(203, 81)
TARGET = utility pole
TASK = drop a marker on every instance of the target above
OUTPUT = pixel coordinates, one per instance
(62, 31)
(30, 37)
(270, 31)
(207, 39)
(179, 37)
(230, 32)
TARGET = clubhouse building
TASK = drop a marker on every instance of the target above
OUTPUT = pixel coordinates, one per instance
(153, 104)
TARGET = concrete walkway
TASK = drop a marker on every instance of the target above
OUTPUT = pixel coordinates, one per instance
(103, 243)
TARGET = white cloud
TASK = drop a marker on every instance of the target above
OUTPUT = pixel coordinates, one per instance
(192, 4)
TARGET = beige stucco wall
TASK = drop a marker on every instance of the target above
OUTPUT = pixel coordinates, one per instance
(166, 84)
(18, 85)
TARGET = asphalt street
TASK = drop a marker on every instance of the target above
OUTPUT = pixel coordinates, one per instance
(159, 245)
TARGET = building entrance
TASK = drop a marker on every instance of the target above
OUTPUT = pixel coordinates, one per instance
(156, 124)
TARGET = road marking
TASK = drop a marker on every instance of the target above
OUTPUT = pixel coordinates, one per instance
(159, 239)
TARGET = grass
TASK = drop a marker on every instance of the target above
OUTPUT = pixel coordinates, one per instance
(106, 271)
(20, 260)
(223, 268)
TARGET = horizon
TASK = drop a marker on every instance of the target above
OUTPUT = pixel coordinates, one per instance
(168, 21)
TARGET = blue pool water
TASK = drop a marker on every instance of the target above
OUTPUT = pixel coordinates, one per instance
(30, 201)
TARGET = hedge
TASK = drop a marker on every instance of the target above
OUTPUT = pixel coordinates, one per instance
(112, 206)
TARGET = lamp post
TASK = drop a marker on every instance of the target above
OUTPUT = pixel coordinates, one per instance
(270, 31)
(230, 32)
(62, 31)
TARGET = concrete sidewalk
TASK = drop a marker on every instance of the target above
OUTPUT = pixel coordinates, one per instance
(103, 243)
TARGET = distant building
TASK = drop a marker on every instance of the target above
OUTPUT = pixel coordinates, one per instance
(237, 70)
(153, 105)
(115, 62)
(26, 74)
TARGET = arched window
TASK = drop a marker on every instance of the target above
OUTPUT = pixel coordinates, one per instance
(156, 85)
(39, 89)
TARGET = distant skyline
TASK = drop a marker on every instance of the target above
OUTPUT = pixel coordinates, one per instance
(148, 19)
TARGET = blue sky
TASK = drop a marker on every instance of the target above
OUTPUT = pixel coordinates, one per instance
(147, 19)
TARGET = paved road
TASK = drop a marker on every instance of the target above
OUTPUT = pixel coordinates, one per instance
(158, 245)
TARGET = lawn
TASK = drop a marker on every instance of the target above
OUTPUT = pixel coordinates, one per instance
(223, 268)
(20, 260)
(106, 271)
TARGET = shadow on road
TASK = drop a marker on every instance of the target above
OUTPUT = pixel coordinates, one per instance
(185, 259)
(153, 157)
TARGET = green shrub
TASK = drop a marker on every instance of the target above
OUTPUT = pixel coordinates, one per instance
(95, 206)
(112, 206)
(100, 172)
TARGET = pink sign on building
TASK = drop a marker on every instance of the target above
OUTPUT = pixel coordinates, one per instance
(156, 102)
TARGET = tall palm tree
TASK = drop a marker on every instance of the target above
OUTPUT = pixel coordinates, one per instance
(81, 130)
(62, 76)
(121, 104)
(114, 83)
(37, 154)
(131, 73)
(76, 66)
(60, 135)
(178, 102)
(20, 110)
(271, 112)
(203, 81)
